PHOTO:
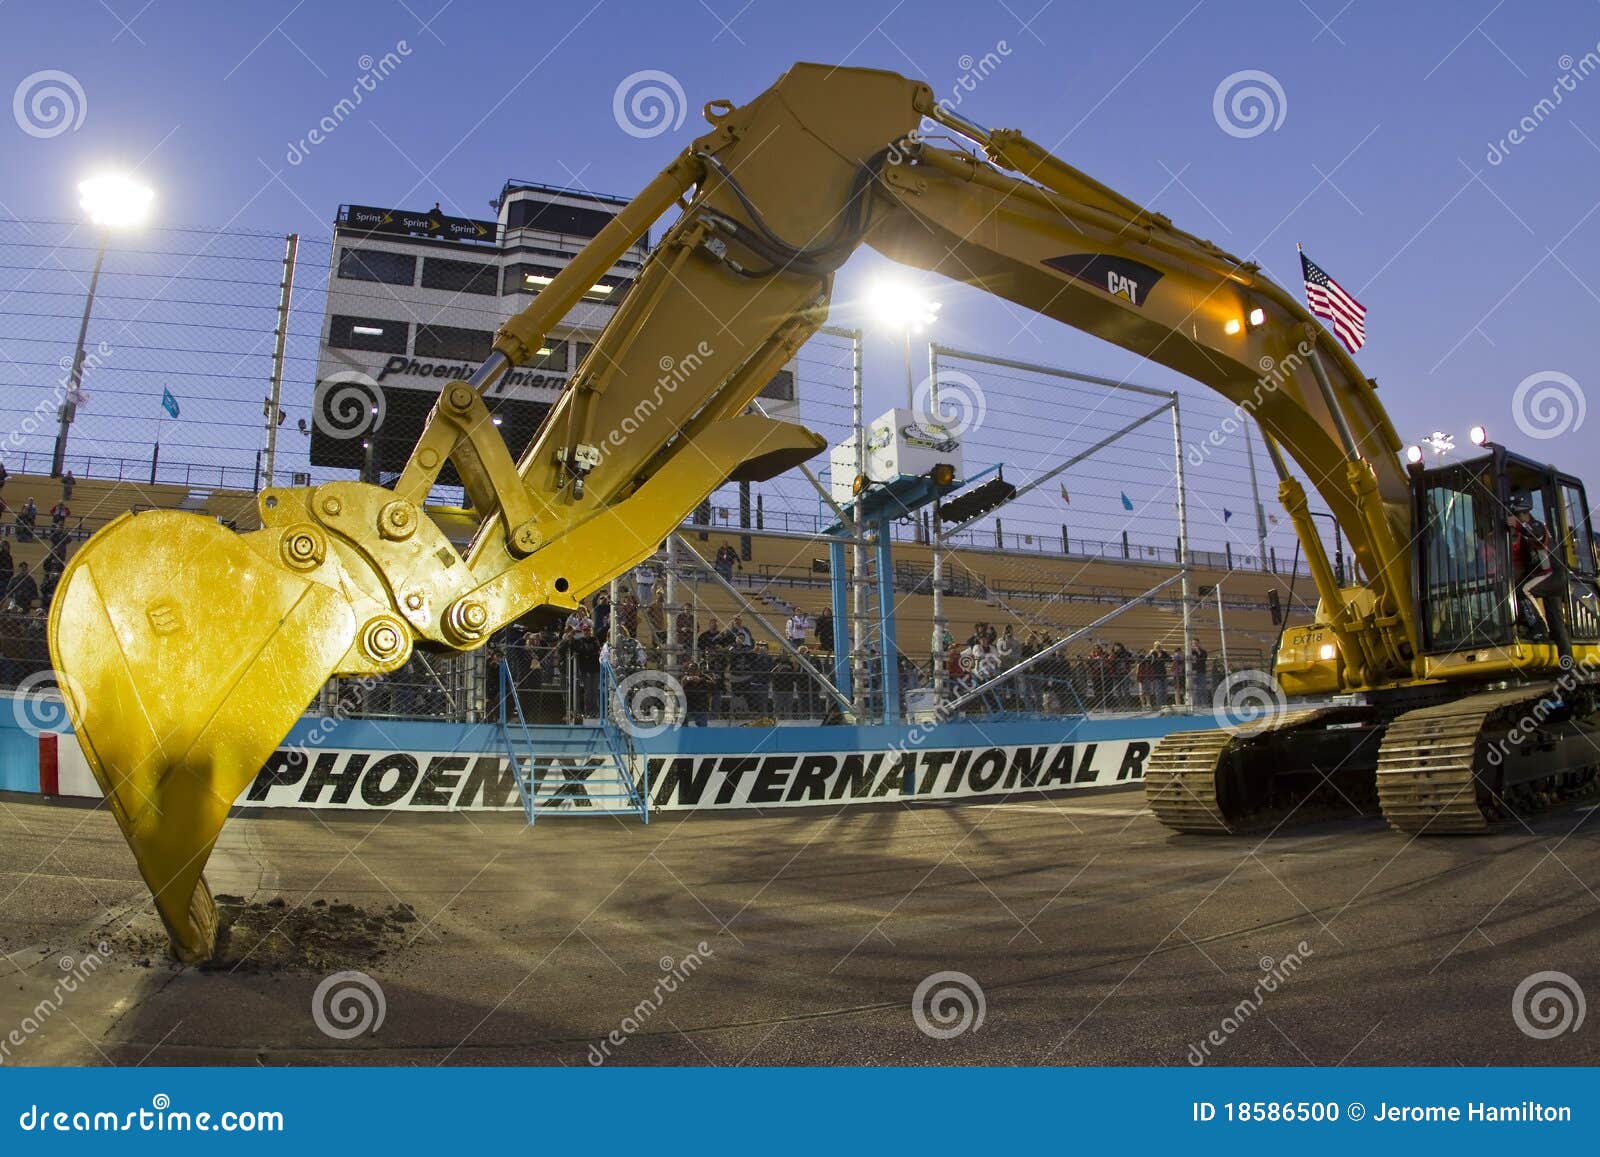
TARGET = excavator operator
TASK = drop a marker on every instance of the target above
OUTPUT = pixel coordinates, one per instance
(1537, 578)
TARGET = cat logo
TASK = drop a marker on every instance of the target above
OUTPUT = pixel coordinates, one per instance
(1121, 277)
(163, 617)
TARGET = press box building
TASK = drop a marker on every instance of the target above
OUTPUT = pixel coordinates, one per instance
(414, 300)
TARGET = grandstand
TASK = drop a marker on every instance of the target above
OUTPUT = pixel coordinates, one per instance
(96, 501)
(93, 502)
(1036, 594)
(1043, 592)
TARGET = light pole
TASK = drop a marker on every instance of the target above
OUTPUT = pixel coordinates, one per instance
(1222, 632)
(903, 306)
(1338, 543)
(111, 201)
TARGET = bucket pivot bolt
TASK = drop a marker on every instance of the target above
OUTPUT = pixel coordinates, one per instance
(397, 521)
(303, 547)
(466, 620)
(383, 640)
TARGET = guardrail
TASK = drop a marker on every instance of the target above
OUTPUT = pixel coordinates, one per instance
(1016, 542)
(913, 578)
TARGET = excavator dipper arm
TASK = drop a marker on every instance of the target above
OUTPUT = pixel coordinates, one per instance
(187, 651)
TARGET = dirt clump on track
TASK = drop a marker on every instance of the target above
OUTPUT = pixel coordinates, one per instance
(315, 936)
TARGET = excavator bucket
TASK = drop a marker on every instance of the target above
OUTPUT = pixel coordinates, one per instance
(184, 657)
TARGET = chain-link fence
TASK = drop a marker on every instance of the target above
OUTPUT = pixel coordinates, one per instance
(720, 651)
(178, 313)
(181, 358)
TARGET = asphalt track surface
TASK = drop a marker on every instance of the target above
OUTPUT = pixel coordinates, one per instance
(1095, 936)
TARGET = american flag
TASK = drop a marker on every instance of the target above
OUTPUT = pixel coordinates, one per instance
(1330, 300)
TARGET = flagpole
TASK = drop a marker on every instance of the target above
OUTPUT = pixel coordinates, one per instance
(155, 454)
(1255, 497)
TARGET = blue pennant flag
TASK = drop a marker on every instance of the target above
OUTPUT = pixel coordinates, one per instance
(169, 403)
(1226, 514)
(1127, 503)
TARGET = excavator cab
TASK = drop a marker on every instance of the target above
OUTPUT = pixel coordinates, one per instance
(1465, 571)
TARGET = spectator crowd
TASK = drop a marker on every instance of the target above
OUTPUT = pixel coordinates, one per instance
(729, 674)
(26, 589)
(1103, 678)
(726, 672)
(723, 670)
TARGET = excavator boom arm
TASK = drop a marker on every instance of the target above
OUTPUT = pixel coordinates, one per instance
(187, 651)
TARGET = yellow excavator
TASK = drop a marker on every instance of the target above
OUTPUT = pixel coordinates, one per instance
(187, 650)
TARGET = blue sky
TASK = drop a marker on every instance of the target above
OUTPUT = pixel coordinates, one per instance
(1476, 275)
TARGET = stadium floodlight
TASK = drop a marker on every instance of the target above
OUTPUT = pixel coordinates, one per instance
(902, 306)
(115, 201)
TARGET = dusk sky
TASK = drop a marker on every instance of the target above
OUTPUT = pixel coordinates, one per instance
(1390, 156)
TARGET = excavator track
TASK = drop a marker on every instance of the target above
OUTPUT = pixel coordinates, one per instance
(1183, 781)
(1440, 769)
(1437, 768)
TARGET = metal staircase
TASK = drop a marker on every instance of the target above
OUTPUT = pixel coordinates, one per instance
(572, 769)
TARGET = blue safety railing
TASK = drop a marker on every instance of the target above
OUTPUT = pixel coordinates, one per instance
(576, 769)
(615, 723)
(510, 704)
